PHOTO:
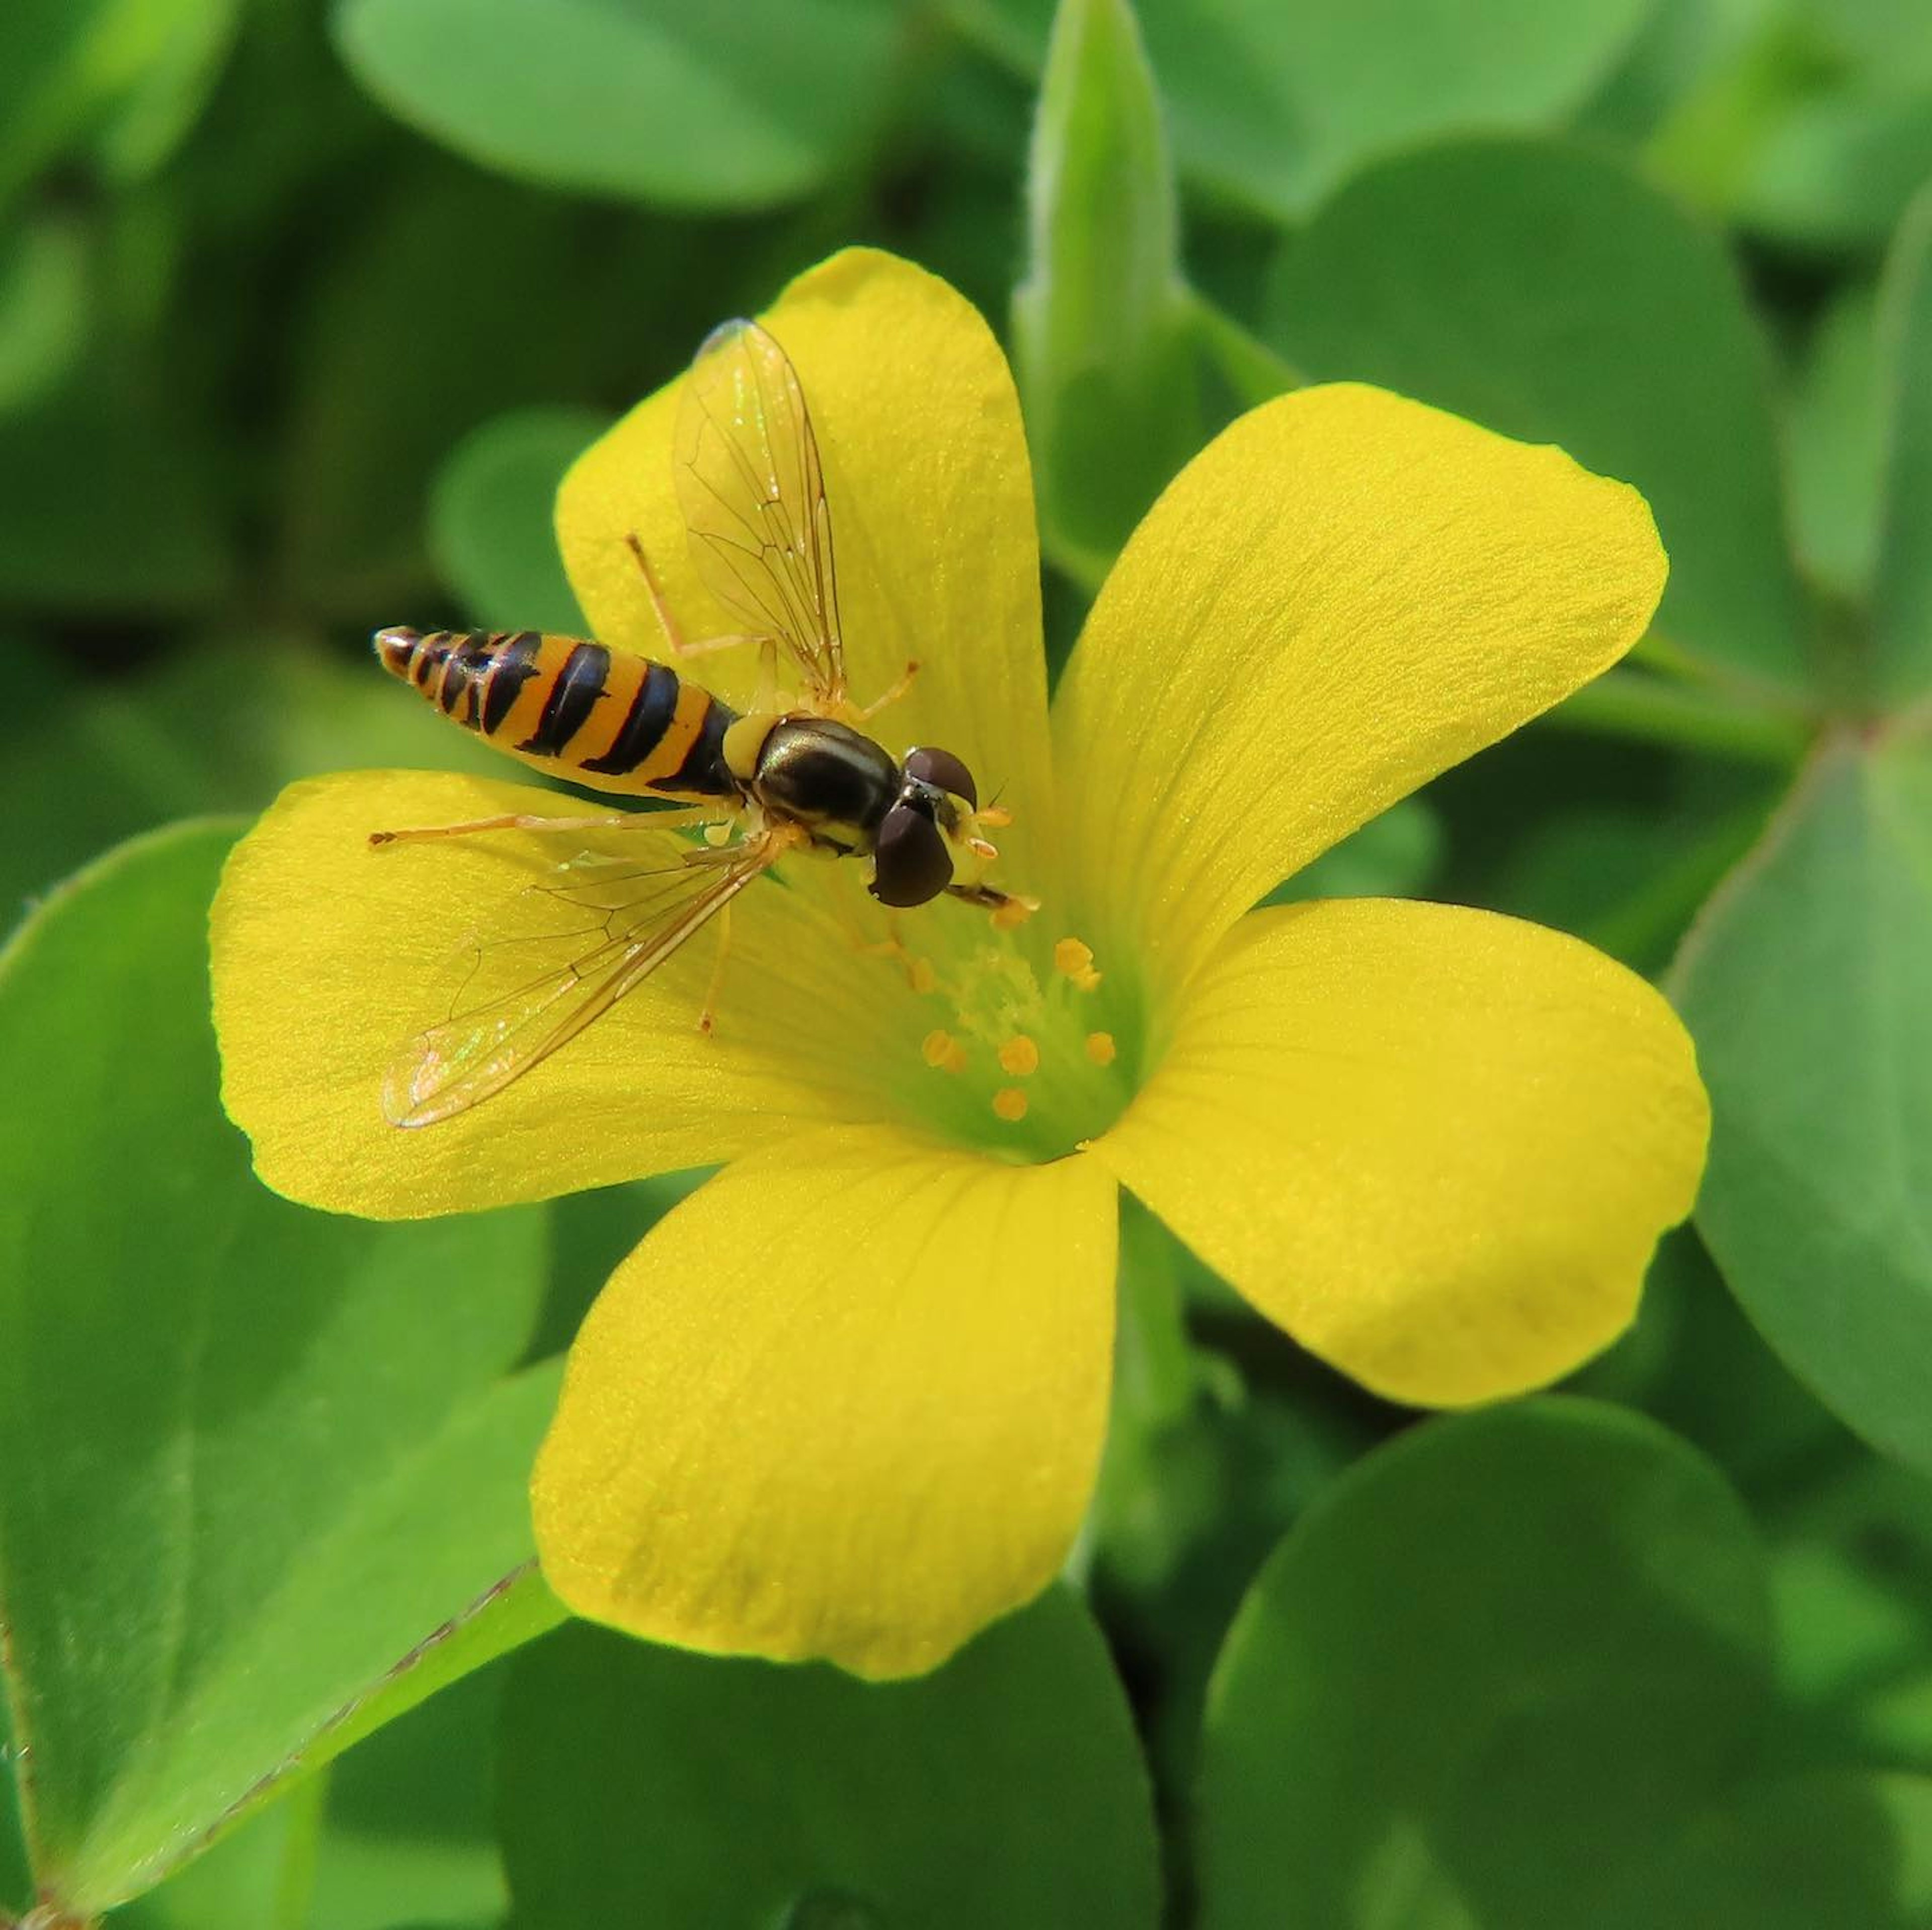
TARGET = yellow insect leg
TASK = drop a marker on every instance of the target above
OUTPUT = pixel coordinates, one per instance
(891, 696)
(680, 645)
(707, 1016)
(627, 820)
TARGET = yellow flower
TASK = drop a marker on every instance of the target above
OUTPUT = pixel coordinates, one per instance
(848, 1400)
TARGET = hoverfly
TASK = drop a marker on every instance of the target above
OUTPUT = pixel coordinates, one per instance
(793, 772)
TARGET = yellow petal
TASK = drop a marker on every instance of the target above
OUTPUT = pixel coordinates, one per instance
(330, 957)
(1436, 1146)
(1344, 594)
(931, 503)
(846, 1402)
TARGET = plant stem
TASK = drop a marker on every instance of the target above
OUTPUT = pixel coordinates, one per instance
(1255, 372)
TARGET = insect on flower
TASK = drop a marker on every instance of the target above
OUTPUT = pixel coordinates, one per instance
(796, 772)
(848, 1400)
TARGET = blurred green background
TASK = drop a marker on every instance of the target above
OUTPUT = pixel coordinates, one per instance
(304, 309)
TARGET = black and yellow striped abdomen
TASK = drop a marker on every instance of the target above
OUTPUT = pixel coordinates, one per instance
(582, 711)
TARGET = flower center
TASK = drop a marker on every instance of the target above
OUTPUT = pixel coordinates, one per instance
(1019, 1058)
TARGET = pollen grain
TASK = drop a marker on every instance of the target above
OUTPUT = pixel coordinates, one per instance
(1019, 1056)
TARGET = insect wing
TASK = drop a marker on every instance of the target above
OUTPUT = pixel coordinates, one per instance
(567, 950)
(752, 491)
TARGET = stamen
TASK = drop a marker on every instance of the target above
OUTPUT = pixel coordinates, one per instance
(1013, 912)
(1073, 959)
(1101, 1048)
(1020, 1056)
(923, 977)
(980, 848)
(936, 1048)
(1010, 1103)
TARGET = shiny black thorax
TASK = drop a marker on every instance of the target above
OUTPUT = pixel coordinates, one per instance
(832, 779)
(851, 796)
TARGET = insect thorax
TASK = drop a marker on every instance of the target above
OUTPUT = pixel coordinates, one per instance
(825, 775)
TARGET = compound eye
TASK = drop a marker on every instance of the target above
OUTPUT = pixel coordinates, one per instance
(910, 863)
(932, 766)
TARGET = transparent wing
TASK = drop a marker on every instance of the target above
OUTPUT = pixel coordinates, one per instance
(567, 950)
(753, 496)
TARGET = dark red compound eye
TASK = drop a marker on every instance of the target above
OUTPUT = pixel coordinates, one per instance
(933, 766)
(910, 864)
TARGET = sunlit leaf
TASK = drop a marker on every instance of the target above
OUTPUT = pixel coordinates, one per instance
(690, 107)
(277, 1458)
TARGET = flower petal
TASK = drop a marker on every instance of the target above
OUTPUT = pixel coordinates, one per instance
(1344, 594)
(846, 1402)
(931, 501)
(330, 957)
(1437, 1146)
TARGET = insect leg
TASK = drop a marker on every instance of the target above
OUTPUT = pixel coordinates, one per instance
(1009, 908)
(681, 645)
(667, 622)
(627, 820)
(707, 1016)
(892, 696)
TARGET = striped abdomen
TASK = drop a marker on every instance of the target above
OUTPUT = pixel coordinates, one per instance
(584, 711)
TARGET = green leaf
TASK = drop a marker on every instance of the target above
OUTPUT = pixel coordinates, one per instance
(1807, 984)
(692, 107)
(67, 65)
(400, 1830)
(1681, 48)
(1852, 1573)
(1549, 293)
(16, 1882)
(1902, 607)
(1796, 1852)
(1694, 1362)
(647, 1785)
(1819, 129)
(1272, 105)
(1834, 439)
(260, 1877)
(151, 122)
(490, 523)
(43, 292)
(1102, 322)
(1498, 1658)
(409, 1834)
(1838, 172)
(278, 1458)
